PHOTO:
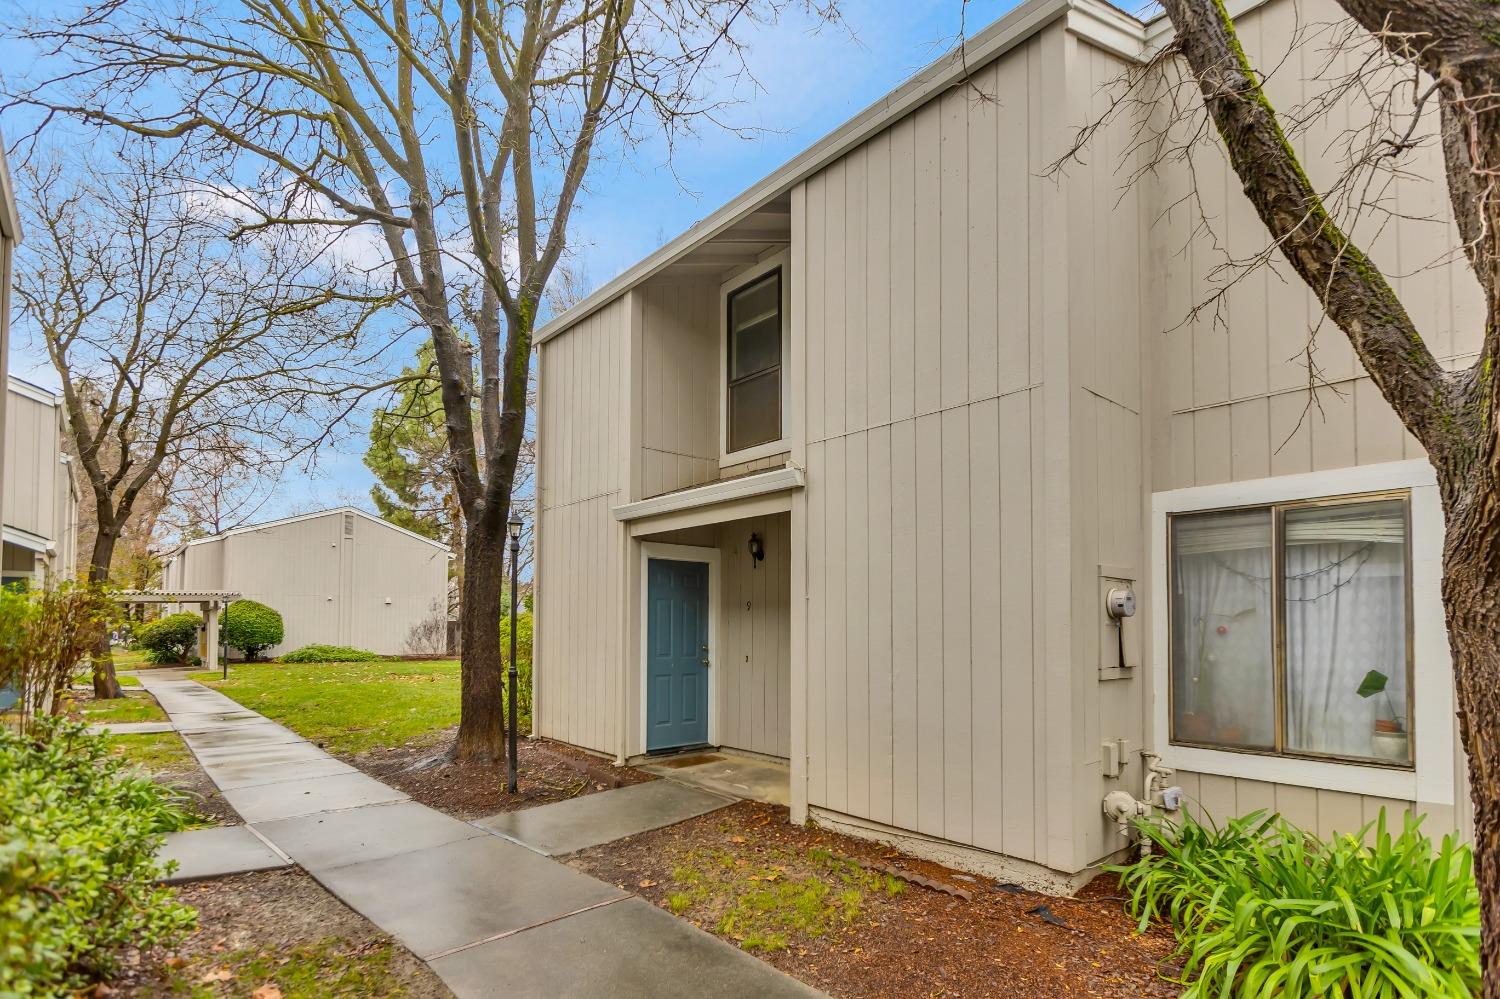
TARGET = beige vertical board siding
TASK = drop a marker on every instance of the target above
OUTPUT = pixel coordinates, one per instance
(923, 616)
(582, 551)
(295, 569)
(1105, 441)
(413, 575)
(1257, 416)
(678, 395)
(754, 663)
(33, 472)
(1245, 354)
(890, 610)
(857, 623)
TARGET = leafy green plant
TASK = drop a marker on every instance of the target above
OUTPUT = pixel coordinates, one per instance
(170, 639)
(251, 627)
(523, 660)
(331, 654)
(44, 636)
(1262, 908)
(79, 833)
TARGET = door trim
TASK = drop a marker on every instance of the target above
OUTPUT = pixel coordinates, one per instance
(679, 553)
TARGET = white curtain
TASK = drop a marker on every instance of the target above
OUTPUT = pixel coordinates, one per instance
(1223, 678)
(1345, 616)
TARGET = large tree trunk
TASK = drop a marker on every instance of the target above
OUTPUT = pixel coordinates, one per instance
(481, 727)
(106, 685)
(1471, 597)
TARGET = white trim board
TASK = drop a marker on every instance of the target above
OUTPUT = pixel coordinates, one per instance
(682, 553)
(759, 484)
(1431, 782)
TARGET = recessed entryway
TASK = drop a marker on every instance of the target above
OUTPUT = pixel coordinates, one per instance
(677, 644)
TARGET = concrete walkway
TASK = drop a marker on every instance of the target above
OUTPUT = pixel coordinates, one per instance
(491, 916)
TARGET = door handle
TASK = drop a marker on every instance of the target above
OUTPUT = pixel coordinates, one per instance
(704, 662)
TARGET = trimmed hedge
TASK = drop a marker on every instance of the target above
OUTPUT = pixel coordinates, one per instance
(170, 639)
(330, 654)
(79, 832)
(251, 627)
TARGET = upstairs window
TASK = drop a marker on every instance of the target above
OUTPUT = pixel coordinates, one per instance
(754, 361)
(1290, 629)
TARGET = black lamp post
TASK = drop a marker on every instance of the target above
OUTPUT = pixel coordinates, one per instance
(515, 558)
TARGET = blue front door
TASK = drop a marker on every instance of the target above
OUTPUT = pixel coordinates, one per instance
(676, 654)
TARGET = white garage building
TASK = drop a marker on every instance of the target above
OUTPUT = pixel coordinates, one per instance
(338, 577)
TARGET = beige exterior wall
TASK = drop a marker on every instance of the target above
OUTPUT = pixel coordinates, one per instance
(582, 568)
(329, 587)
(1229, 392)
(41, 498)
(679, 398)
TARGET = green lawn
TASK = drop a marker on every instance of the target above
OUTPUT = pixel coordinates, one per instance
(155, 752)
(130, 708)
(349, 707)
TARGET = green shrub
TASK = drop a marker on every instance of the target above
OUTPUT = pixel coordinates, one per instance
(78, 836)
(1262, 908)
(523, 665)
(251, 627)
(170, 639)
(330, 654)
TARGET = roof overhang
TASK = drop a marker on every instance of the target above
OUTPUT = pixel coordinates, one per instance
(1102, 24)
(756, 495)
(26, 539)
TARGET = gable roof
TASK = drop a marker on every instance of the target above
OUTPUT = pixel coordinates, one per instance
(1101, 23)
(265, 525)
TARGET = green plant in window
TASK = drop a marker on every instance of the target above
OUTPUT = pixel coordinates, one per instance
(1376, 682)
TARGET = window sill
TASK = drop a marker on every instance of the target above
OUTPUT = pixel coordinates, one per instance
(766, 450)
(1354, 778)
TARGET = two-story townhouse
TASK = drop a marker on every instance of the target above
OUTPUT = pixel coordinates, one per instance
(852, 475)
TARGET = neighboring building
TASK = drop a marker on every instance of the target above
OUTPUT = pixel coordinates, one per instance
(10, 234)
(40, 530)
(338, 577)
(954, 402)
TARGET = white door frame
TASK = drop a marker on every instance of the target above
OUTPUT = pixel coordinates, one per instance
(680, 553)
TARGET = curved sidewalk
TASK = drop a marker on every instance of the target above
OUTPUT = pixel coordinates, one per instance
(491, 916)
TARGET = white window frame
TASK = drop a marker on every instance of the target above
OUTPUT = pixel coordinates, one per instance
(781, 260)
(1431, 778)
(681, 553)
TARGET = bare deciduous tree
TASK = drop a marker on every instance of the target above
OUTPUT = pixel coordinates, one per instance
(170, 339)
(459, 130)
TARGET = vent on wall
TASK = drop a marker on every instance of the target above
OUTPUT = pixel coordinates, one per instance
(348, 525)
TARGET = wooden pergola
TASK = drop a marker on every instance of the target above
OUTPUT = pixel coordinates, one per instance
(210, 603)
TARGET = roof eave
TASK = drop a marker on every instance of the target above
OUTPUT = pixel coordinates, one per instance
(1102, 23)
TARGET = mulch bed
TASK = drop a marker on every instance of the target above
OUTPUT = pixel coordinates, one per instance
(924, 941)
(276, 930)
(547, 772)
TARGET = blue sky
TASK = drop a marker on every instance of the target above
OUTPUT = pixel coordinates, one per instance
(811, 80)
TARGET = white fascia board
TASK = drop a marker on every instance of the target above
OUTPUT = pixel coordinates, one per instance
(35, 393)
(759, 484)
(25, 539)
(10, 218)
(1093, 19)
